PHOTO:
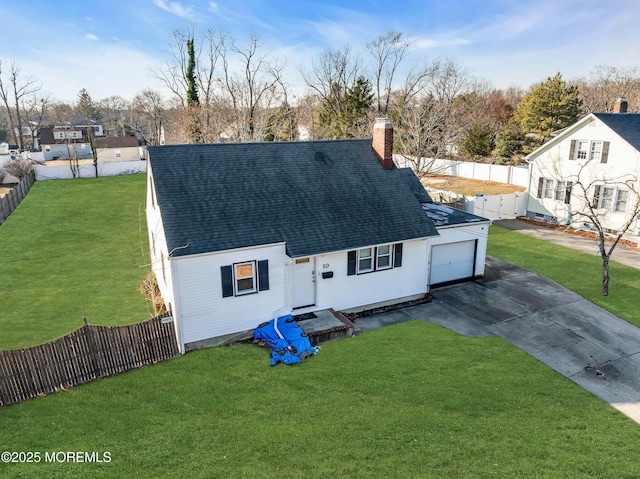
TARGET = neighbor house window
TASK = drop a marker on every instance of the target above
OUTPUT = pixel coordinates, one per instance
(621, 201)
(582, 150)
(610, 198)
(596, 151)
(244, 278)
(367, 260)
(555, 189)
(589, 150)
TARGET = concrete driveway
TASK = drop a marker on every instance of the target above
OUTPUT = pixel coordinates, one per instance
(580, 340)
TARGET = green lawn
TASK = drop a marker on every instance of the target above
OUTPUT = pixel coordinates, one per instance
(65, 251)
(410, 400)
(580, 272)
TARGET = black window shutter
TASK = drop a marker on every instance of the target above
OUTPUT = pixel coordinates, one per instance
(397, 255)
(605, 152)
(540, 186)
(572, 151)
(351, 263)
(596, 196)
(567, 192)
(263, 275)
(226, 272)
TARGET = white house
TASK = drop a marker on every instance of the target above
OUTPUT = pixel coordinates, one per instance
(64, 140)
(117, 148)
(602, 153)
(242, 233)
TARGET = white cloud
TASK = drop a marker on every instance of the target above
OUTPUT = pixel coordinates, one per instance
(91, 36)
(175, 8)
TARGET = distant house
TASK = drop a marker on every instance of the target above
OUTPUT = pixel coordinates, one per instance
(65, 139)
(603, 150)
(242, 233)
(113, 148)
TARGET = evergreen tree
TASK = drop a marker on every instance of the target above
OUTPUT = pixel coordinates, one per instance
(548, 107)
(510, 143)
(281, 125)
(193, 103)
(86, 107)
(478, 141)
(192, 88)
(345, 112)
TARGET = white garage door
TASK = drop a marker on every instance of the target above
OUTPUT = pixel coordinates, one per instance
(453, 261)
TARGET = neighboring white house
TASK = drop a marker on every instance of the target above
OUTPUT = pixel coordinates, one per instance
(242, 233)
(602, 151)
(117, 148)
(64, 140)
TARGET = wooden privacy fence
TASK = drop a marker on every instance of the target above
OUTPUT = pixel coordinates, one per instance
(10, 202)
(89, 353)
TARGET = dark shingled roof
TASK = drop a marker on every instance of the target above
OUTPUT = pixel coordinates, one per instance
(317, 196)
(627, 125)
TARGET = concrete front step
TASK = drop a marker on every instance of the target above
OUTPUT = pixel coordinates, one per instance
(328, 325)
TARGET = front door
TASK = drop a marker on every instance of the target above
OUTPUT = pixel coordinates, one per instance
(304, 282)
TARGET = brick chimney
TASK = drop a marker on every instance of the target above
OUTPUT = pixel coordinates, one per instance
(383, 141)
(620, 106)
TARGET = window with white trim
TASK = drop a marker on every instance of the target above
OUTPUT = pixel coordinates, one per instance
(582, 150)
(596, 150)
(367, 260)
(245, 277)
(383, 257)
(557, 190)
(610, 198)
(589, 150)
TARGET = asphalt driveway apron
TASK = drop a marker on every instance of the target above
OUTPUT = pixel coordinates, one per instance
(578, 339)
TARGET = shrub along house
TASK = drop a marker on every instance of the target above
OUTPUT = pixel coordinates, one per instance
(242, 233)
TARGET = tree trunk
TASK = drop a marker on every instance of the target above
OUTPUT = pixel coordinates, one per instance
(605, 276)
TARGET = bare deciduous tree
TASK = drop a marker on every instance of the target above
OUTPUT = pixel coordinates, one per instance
(423, 110)
(388, 52)
(148, 112)
(253, 91)
(594, 195)
(600, 90)
(14, 92)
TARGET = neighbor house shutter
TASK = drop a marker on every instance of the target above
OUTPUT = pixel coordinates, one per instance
(226, 273)
(605, 152)
(596, 196)
(540, 186)
(397, 255)
(263, 275)
(351, 262)
(567, 192)
(572, 150)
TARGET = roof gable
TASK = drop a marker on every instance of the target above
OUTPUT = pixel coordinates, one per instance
(317, 197)
(625, 125)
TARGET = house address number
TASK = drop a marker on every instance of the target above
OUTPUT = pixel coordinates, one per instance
(325, 265)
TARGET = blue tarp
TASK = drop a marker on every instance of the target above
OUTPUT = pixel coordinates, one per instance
(286, 339)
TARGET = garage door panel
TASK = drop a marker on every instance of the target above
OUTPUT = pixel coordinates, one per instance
(453, 261)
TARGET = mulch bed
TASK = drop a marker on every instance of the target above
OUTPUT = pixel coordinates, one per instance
(583, 233)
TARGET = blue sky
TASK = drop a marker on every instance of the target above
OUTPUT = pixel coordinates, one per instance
(110, 46)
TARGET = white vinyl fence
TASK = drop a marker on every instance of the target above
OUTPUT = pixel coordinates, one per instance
(513, 175)
(493, 207)
(115, 168)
